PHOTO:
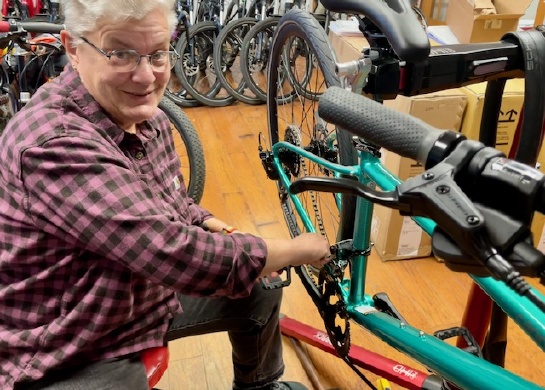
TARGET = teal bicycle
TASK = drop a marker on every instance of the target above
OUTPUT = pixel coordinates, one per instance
(324, 156)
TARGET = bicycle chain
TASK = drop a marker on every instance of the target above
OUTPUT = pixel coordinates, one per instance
(293, 136)
(329, 277)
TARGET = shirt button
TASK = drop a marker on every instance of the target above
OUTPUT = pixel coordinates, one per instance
(139, 155)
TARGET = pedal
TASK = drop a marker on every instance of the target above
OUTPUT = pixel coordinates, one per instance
(282, 280)
(460, 331)
(266, 158)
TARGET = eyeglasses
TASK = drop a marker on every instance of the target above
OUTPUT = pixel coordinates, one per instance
(126, 60)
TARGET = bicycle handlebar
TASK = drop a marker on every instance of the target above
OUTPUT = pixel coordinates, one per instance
(31, 27)
(458, 190)
(400, 133)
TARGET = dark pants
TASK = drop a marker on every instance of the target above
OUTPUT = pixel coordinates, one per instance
(254, 332)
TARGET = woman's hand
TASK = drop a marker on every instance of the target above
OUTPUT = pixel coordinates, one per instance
(307, 248)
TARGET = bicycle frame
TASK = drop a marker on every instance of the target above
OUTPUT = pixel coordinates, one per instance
(435, 354)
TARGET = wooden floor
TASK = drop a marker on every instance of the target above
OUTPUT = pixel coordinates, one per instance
(426, 293)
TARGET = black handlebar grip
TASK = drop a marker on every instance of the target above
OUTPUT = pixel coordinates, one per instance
(41, 27)
(383, 126)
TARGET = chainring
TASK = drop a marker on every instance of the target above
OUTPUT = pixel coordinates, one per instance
(334, 311)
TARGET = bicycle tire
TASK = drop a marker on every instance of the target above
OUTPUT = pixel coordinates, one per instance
(188, 147)
(231, 12)
(296, 49)
(195, 69)
(255, 59)
(227, 48)
(179, 95)
(334, 144)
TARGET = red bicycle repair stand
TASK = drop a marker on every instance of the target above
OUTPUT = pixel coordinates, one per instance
(384, 367)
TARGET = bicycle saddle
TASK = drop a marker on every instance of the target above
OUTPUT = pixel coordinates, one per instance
(395, 19)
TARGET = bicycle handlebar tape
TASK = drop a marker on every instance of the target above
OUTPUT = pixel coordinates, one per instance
(383, 126)
(32, 27)
(42, 27)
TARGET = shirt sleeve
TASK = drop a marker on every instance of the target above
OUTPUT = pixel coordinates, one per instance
(83, 190)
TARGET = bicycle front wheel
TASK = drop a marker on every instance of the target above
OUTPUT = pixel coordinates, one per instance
(188, 147)
(195, 70)
(227, 59)
(255, 56)
(297, 121)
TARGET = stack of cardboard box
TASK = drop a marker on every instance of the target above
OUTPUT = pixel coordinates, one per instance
(484, 20)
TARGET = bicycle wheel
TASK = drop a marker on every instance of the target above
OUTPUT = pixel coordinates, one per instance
(195, 70)
(188, 147)
(255, 56)
(227, 63)
(297, 122)
(301, 58)
(178, 94)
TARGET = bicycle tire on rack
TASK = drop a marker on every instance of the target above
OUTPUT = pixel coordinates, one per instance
(195, 69)
(227, 49)
(255, 63)
(300, 24)
(180, 97)
(296, 49)
(188, 147)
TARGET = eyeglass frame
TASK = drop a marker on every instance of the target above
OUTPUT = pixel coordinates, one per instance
(109, 54)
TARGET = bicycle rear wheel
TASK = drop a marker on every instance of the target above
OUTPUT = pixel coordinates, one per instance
(297, 121)
(188, 147)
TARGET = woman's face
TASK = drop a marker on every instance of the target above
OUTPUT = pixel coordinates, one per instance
(129, 97)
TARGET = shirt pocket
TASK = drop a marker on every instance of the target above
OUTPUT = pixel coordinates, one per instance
(174, 190)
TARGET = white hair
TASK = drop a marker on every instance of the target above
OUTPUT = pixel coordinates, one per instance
(83, 16)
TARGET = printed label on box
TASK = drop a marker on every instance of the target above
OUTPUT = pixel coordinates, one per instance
(492, 24)
(409, 238)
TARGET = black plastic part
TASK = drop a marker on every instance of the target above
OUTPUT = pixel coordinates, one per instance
(532, 44)
(273, 282)
(472, 345)
(451, 66)
(446, 249)
(396, 19)
(385, 305)
(491, 112)
(383, 81)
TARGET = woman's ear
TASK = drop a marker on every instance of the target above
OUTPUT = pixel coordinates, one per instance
(71, 49)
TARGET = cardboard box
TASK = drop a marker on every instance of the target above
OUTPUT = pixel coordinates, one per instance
(396, 237)
(513, 99)
(469, 27)
(538, 231)
(347, 47)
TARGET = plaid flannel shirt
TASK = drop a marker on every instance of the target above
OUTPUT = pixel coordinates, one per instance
(97, 235)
